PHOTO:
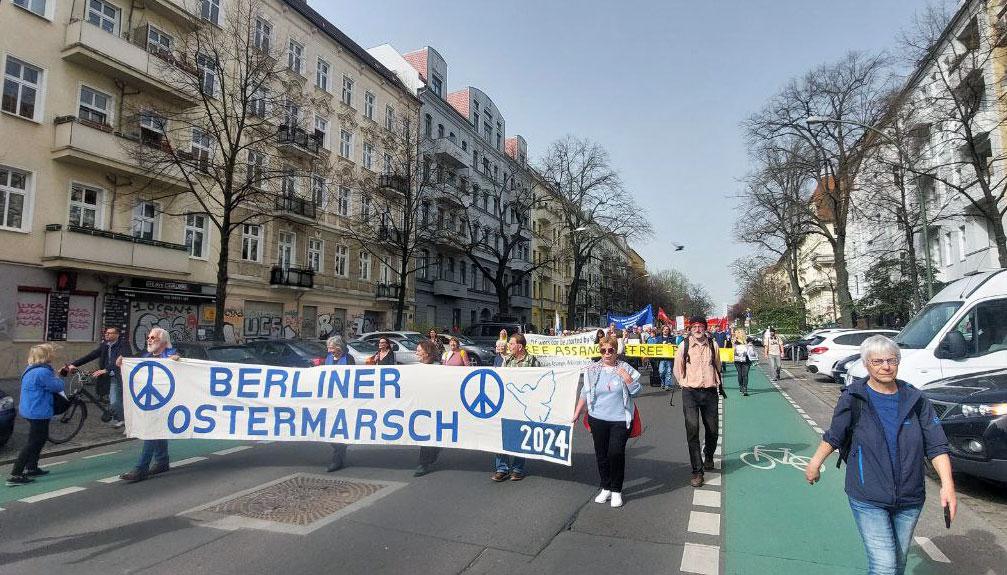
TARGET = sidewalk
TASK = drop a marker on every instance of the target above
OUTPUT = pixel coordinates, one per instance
(93, 434)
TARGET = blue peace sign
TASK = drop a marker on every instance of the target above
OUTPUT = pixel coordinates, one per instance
(483, 405)
(151, 394)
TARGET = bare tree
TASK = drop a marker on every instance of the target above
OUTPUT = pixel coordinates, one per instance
(593, 201)
(235, 145)
(848, 94)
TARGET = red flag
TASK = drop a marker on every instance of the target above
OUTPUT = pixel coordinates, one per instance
(664, 317)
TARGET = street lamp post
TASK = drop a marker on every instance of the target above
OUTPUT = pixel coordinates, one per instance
(810, 120)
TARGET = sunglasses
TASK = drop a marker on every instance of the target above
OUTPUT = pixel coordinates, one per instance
(607, 350)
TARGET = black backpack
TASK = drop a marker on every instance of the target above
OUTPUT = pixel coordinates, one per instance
(684, 348)
(856, 406)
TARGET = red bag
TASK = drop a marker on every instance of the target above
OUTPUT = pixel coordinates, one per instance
(635, 428)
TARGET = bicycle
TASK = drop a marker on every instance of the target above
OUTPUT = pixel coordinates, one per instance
(762, 458)
(67, 425)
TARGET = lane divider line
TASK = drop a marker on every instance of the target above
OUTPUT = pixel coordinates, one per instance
(931, 549)
(701, 559)
(51, 494)
(186, 461)
(706, 498)
(232, 450)
(113, 479)
(102, 454)
(52, 464)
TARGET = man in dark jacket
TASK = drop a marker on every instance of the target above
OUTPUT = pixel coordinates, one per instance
(107, 376)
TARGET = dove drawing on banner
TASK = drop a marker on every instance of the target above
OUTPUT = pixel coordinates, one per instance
(537, 398)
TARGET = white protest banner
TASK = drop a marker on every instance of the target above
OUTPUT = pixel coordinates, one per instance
(549, 349)
(522, 411)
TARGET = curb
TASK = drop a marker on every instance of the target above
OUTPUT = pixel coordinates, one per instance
(68, 450)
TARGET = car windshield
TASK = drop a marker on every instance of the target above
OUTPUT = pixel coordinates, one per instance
(407, 344)
(361, 346)
(230, 354)
(414, 337)
(922, 329)
(312, 348)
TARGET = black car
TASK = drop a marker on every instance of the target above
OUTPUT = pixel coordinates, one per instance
(973, 411)
(289, 352)
(216, 351)
(8, 411)
(842, 366)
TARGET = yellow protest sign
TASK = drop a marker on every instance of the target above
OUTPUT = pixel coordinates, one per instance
(564, 349)
(586, 350)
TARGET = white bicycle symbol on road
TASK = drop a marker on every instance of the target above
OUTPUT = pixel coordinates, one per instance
(762, 457)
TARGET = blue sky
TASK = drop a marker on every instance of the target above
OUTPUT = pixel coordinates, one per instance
(663, 85)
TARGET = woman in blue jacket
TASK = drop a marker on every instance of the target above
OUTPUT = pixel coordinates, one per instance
(38, 383)
(889, 427)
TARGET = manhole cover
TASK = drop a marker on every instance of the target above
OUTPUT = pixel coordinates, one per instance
(295, 504)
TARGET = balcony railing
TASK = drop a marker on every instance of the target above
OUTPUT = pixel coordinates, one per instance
(292, 277)
(298, 138)
(393, 183)
(386, 292)
(89, 248)
(292, 205)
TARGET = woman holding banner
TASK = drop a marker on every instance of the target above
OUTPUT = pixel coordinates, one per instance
(337, 356)
(385, 355)
(454, 354)
(609, 388)
(426, 353)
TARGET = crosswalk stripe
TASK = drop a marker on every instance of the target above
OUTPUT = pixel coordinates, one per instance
(703, 522)
(701, 559)
(931, 550)
(113, 479)
(51, 494)
(706, 498)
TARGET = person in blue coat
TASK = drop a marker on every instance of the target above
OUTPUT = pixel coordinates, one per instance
(337, 356)
(890, 427)
(158, 345)
(38, 384)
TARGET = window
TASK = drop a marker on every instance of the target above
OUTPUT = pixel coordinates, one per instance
(386, 167)
(13, 196)
(36, 6)
(206, 66)
(428, 125)
(84, 206)
(144, 225)
(318, 187)
(475, 120)
(251, 236)
(365, 266)
(983, 328)
(322, 75)
(288, 183)
(295, 56)
(286, 250)
(962, 246)
(322, 131)
(440, 130)
(345, 144)
(343, 201)
(315, 254)
(347, 97)
(423, 264)
(365, 207)
(195, 235)
(21, 86)
(291, 114)
(369, 105)
(389, 118)
(341, 261)
(369, 155)
(158, 42)
(152, 128)
(94, 106)
(201, 150)
(263, 35)
(103, 15)
(437, 85)
(947, 249)
(256, 161)
(257, 103)
(210, 10)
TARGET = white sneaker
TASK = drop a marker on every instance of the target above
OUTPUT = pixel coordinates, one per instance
(603, 496)
(616, 499)
(116, 423)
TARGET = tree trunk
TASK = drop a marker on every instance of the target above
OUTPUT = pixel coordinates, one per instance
(400, 300)
(503, 299)
(221, 291)
(999, 236)
(795, 287)
(914, 268)
(842, 288)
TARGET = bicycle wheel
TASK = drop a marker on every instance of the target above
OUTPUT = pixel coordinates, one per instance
(64, 427)
(757, 461)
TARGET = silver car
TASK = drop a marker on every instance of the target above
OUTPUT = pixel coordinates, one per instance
(403, 344)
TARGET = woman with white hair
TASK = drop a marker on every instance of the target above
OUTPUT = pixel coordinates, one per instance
(38, 384)
(337, 356)
(884, 428)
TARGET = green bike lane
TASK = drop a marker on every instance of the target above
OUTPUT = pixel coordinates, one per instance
(86, 468)
(775, 521)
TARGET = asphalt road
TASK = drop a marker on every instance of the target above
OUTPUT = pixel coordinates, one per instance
(454, 520)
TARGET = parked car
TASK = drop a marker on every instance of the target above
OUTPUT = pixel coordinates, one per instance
(360, 350)
(798, 349)
(8, 411)
(217, 351)
(403, 343)
(373, 336)
(289, 352)
(478, 354)
(973, 412)
(824, 354)
(842, 366)
(486, 333)
(962, 330)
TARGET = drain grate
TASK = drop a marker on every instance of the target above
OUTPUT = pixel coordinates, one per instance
(298, 503)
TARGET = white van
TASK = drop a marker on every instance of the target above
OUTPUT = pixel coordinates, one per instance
(962, 330)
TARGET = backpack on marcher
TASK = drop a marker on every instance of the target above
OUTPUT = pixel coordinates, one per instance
(684, 348)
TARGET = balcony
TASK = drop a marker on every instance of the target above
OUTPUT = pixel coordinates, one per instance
(386, 292)
(448, 288)
(520, 301)
(91, 47)
(296, 208)
(393, 183)
(296, 278)
(823, 260)
(68, 246)
(175, 11)
(449, 153)
(298, 140)
(96, 146)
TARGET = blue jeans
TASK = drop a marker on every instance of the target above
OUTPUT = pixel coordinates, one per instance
(887, 534)
(156, 449)
(664, 369)
(115, 397)
(509, 463)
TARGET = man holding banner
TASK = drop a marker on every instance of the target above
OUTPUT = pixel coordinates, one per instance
(697, 370)
(512, 466)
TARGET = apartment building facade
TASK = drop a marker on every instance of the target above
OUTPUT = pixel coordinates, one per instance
(91, 238)
(477, 174)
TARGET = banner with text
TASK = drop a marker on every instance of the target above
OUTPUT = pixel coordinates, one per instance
(522, 411)
(573, 350)
(581, 354)
(639, 319)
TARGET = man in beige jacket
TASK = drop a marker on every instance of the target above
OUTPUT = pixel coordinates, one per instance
(697, 370)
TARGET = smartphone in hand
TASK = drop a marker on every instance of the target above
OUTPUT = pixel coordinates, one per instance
(947, 517)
